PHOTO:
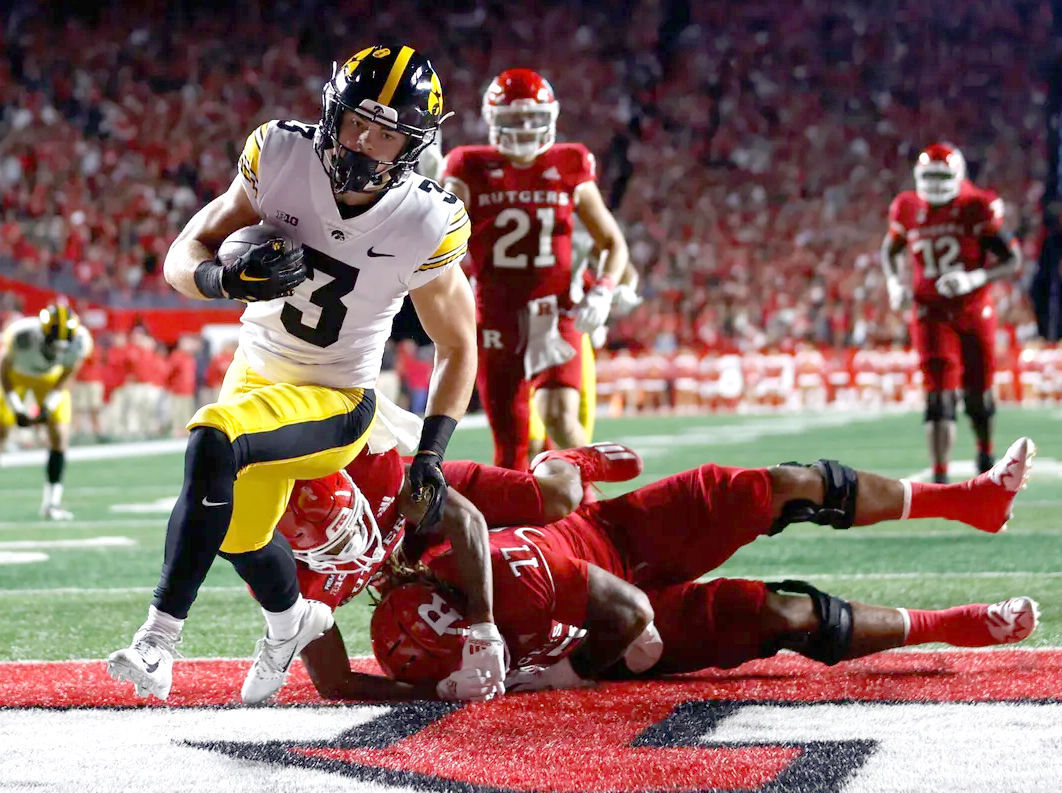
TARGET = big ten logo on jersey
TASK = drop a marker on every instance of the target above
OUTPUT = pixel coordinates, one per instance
(283, 216)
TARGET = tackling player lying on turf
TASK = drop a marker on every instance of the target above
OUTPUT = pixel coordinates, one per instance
(344, 529)
(576, 584)
(610, 591)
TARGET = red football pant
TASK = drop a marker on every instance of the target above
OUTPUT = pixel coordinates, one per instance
(956, 348)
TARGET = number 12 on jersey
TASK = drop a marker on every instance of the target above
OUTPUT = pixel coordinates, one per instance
(520, 220)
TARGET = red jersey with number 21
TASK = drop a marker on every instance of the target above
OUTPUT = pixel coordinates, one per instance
(945, 238)
(521, 245)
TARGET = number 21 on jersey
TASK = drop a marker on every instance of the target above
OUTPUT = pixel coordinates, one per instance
(519, 226)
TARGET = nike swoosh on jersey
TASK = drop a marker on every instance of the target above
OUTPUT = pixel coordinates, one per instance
(374, 254)
(207, 503)
(246, 277)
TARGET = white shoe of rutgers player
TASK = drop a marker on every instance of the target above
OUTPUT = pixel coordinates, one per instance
(272, 658)
(1012, 620)
(147, 663)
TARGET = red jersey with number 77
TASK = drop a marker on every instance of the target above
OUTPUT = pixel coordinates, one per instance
(521, 245)
(946, 237)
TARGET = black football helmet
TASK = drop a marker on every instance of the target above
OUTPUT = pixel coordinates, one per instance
(395, 87)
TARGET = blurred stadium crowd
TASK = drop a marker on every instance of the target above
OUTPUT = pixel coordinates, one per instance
(749, 150)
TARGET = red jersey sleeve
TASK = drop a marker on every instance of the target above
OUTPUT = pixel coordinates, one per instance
(897, 222)
(585, 167)
(505, 497)
(454, 166)
(990, 214)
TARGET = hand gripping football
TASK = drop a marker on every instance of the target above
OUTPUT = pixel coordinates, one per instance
(260, 263)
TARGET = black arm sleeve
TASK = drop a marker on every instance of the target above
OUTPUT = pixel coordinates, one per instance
(999, 245)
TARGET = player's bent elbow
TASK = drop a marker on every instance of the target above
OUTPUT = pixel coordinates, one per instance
(637, 614)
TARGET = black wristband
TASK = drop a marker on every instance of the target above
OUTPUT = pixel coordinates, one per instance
(208, 278)
(436, 434)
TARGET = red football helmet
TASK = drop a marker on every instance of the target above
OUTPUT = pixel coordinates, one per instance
(521, 112)
(418, 633)
(939, 172)
(331, 528)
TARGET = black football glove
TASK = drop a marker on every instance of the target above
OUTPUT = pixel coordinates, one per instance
(264, 272)
(427, 483)
(23, 419)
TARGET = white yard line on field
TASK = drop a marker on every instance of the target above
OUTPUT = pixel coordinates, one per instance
(116, 523)
(1042, 468)
(127, 590)
(91, 542)
(650, 446)
(980, 574)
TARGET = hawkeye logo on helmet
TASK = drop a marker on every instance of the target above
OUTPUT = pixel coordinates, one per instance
(381, 53)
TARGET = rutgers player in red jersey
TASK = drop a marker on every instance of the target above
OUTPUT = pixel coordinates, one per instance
(343, 528)
(521, 191)
(616, 579)
(954, 231)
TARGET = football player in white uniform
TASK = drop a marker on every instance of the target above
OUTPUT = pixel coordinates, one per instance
(298, 401)
(40, 355)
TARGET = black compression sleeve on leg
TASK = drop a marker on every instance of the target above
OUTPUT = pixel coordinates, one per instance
(199, 521)
(270, 573)
(56, 464)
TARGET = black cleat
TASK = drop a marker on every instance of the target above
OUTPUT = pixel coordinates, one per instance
(940, 479)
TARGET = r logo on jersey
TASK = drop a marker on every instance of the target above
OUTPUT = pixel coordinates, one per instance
(492, 340)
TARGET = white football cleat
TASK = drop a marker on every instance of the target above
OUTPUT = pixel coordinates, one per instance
(1012, 620)
(56, 513)
(272, 659)
(997, 487)
(147, 663)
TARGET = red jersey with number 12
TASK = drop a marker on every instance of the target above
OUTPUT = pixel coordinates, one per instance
(947, 237)
(521, 245)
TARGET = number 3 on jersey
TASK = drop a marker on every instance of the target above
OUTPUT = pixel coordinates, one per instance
(328, 296)
(520, 221)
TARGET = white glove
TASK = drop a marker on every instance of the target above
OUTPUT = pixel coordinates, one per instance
(625, 300)
(467, 684)
(592, 313)
(961, 282)
(598, 337)
(52, 400)
(897, 293)
(484, 654)
(540, 678)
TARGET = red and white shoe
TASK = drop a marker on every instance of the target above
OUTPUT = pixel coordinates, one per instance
(598, 462)
(996, 489)
(1012, 620)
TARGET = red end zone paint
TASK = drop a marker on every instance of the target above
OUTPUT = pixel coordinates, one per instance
(897, 676)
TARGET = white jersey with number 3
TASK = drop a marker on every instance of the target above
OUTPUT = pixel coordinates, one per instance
(332, 331)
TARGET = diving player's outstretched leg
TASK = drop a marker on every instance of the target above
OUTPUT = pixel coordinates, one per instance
(842, 497)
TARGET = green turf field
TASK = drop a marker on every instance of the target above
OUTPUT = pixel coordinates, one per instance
(86, 599)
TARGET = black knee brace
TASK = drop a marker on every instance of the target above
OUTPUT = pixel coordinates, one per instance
(940, 406)
(838, 504)
(835, 620)
(980, 407)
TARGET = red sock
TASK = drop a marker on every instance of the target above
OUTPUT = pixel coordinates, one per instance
(985, 448)
(589, 493)
(940, 469)
(960, 626)
(952, 502)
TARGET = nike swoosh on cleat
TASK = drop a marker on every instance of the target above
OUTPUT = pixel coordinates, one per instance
(152, 667)
(213, 503)
(374, 254)
(246, 277)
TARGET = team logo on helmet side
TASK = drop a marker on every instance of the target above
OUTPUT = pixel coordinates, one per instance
(418, 633)
(939, 173)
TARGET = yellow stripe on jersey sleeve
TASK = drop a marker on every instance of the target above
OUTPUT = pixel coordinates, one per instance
(454, 244)
(252, 153)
